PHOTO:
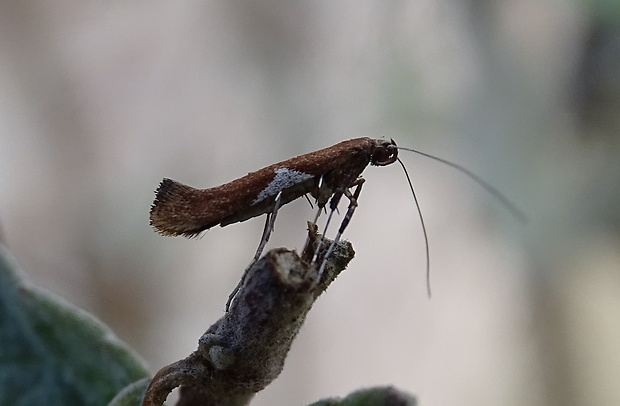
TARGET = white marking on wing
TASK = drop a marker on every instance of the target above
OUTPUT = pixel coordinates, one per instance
(284, 179)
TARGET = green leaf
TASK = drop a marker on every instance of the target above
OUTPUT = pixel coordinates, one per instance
(379, 396)
(132, 395)
(52, 353)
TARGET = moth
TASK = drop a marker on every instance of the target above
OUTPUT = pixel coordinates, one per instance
(326, 175)
(183, 210)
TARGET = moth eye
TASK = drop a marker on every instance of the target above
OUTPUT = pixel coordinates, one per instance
(384, 155)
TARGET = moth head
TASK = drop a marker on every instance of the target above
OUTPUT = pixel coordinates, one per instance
(384, 153)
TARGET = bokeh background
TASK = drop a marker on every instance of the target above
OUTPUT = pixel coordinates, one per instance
(100, 100)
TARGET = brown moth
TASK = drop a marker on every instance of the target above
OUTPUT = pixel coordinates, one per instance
(179, 209)
(329, 173)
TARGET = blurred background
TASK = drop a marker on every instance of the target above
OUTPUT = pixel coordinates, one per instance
(101, 100)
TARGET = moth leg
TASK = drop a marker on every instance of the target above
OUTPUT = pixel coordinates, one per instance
(345, 222)
(318, 212)
(308, 200)
(333, 205)
(269, 225)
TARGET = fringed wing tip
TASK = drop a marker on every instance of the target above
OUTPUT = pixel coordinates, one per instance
(164, 216)
(160, 214)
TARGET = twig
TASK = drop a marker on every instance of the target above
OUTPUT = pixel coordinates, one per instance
(244, 351)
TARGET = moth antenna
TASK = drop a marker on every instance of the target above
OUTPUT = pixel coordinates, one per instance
(509, 205)
(417, 204)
